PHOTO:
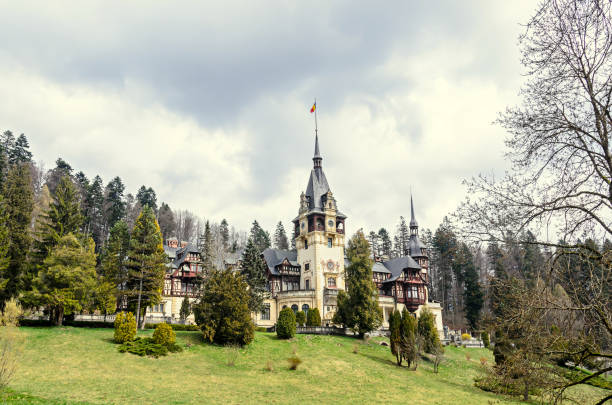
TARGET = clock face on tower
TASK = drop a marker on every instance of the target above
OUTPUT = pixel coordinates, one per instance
(330, 265)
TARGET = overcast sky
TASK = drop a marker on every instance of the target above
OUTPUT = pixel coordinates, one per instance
(209, 103)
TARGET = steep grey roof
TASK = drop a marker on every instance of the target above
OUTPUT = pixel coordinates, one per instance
(274, 257)
(170, 252)
(415, 245)
(413, 221)
(317, 188)
(380, 268)
(397, 266)
(190, 248)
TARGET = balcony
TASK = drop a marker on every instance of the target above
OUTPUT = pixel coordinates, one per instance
(330, 291)
(295, 293)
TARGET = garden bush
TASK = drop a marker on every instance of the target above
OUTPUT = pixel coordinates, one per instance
(148, 347)
(285, 326)
(164, 335)
(314, 318)
(485, 339)
(466, 336)
(426, 328)
(125, 327)
(261, 329)
(11, 314)
(300, 318)
(175, 327)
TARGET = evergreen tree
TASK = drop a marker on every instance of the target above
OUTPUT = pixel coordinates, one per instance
(55, 175)
(20, 152)
(207, 248)
(385, 242)
(496, 262)
(114, 204)
(146, 264)
(260, 237)
(426, 329)
(113, 263)
(63, 217)
(395, 336)
(358, 308)
(224, 232)
(66, 279)
(403, 237)
(254, 272)
(4, 248)
(7, 140)
(374, 244)
(94, 217)
(443, 256)
(185, 310)
(473, 297)
(409, 342)
(18, 205)
(222, 312)
(147, 197)
(280, 237)
(166, 220)
(313, 318)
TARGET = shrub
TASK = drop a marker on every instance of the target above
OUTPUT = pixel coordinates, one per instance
(148, 347)
(185, 310)
(314, 317)
(164, 335)
(285, 326)
(426, 328)
(300, 318)
(125, 327)
(261, 329)
(222, 312)
(466, 336)
(485, 339)
(11, 314)
(294, 361)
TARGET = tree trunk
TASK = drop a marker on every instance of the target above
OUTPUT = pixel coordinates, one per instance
(526, 391)
(139, 298)
(59, 316)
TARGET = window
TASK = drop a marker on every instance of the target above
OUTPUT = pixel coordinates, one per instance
(265, 312)
(305, 243)
(331, 282)
(305, 308)
(284, 306)
(294, 307)
(307, 266)
(329, 242)
(308, 284)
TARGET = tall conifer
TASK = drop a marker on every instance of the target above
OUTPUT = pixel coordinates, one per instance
(254, 272)
(146, 264)
(280, 237)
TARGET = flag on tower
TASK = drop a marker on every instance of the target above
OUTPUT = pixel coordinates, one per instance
(314, 107)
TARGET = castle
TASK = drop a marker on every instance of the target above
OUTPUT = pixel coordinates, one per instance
(311, 276)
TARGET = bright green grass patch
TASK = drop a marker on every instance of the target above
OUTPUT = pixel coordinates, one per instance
(78, 365)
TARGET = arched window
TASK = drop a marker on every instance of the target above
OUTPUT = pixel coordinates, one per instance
(294, 307)
(284, 306)
(331, 282)
(305, 308)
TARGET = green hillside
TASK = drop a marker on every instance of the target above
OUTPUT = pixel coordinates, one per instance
(80, 365)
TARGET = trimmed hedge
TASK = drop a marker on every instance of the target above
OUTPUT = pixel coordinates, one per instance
(285, 326)
(300, 318)
(100, 324)
(175, 326)
(313, 318)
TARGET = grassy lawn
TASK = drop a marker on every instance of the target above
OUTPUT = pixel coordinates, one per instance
(79, 365)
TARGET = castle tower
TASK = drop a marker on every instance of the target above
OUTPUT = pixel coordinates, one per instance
(319, 230)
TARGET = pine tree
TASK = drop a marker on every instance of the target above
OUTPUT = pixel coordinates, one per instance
(385, 242)
(254, 272)
(167, 224)
(403, 237)
(443, 256)
(409, 341)
(114, 204)
(224, 232)
(260, 237)
(280, 237)
(63, 217)
(358, 308)
(395, 336)
(147, 197)
(207, 248)
(146, 264)
(496, 262)
(113, 263)
(67, 278)
(473, 297)
(4, 248)
(18, 205)
(374, 244)
(94, 217)
(55, 175)
(20, 152)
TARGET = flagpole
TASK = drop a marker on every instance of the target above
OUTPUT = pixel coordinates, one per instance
(315, 111)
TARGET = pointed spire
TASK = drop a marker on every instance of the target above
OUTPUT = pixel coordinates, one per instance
(317, 156)
(413, 222)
